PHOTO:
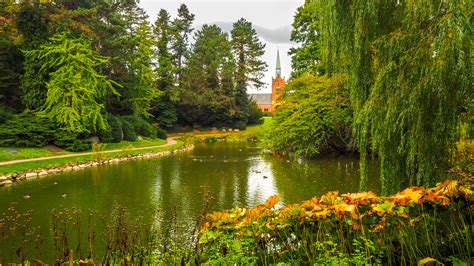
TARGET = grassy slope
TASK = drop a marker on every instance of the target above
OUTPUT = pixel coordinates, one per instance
(256, 132)
(27, 153)
(21, 167)
(267, 121)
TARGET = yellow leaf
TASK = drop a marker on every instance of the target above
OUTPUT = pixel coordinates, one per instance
(364, 198)
(272, 201)
(429, 261)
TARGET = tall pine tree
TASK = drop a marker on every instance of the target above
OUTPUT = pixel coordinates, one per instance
(181, 29)
(164, 108)
(248, 52)
(208, 95)
(142, 91)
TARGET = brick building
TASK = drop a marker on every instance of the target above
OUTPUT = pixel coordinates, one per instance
(268, 102)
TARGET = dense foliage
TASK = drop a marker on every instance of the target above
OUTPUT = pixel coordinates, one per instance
(409, 69)
(410, 75)
(31, 130)
(306, 57)
(75, 90)
(314, 117)
(85, 63)
(357, 228)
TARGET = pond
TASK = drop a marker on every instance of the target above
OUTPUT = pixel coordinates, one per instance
(232, 174)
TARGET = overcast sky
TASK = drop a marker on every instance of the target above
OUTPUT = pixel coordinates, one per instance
(271, 18)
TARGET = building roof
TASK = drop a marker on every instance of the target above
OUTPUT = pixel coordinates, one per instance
(262, 98)
(278, 65)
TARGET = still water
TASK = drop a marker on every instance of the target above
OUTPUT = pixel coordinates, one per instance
(233, 174)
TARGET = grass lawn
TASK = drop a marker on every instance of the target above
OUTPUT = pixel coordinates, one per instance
(9, 154)
(21, 167)
(135, 144)
(267, 122)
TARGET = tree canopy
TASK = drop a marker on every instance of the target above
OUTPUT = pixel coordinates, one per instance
(75, 89)
(88, 64)
(409, 69)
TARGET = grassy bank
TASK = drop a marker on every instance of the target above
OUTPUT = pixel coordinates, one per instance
(415, 225)
(12, 153)
(251, 133)
(51, 163)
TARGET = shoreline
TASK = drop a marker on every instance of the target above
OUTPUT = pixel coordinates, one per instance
(14, 178)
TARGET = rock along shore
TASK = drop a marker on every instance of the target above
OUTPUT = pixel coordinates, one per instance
(32, 174)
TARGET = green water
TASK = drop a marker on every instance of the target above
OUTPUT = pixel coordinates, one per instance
(234, 174)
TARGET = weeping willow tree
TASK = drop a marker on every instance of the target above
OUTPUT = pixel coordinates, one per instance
(410, 71)
(75, 90)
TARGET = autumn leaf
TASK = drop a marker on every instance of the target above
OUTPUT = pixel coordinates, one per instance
(330, 197)
(382, 208)
(364, 198)
(272, 201)
(343, 208)
(409, 195)
(428, 261)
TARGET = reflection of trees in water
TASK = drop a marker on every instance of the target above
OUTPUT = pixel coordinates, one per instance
(184, 180)
(298, 180)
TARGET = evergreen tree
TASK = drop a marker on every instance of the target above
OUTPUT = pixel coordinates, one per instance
(32, 24)
(116, 38)
(208, 97)
(164, 109)
(248, 51)
(11, 61)
(142, 91)
(75, 91)
(181, 29)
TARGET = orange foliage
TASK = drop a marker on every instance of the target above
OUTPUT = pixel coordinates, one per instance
(353, 209)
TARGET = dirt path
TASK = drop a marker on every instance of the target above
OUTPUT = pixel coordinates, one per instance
(169, 141)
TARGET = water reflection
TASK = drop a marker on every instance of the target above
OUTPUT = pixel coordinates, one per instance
(233, 174)
(261, 182)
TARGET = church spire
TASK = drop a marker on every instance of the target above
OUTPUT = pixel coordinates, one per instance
(278, 66)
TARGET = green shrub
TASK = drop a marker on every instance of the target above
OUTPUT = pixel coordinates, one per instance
(115, 128)
(141, 127)
(105, 135)
(5, 114)
(161, 133)
(71, 141)
(255, 114)
(27, 130)
(129, 133)
(240, 125)
(30, 130)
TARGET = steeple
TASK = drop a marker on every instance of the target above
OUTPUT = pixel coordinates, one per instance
(278, 66)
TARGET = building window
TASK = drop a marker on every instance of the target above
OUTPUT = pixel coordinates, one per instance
(265, 109)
